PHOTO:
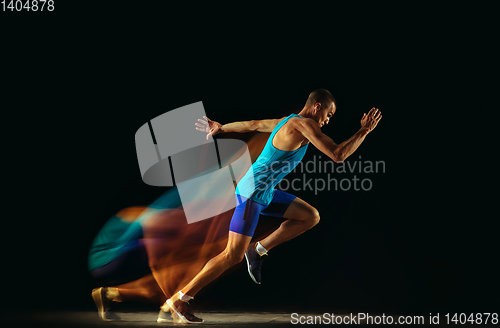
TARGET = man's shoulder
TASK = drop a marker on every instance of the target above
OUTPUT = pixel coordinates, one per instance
(301, 121)
(299, 126)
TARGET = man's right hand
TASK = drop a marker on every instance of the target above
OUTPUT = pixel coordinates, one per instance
(209, 126)
(370, 120)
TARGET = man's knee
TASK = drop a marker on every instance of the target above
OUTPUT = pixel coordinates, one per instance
(234, 257)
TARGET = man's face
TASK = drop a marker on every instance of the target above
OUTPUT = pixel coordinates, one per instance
(324, 114)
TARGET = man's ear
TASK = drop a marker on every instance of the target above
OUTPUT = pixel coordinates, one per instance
(317, 107)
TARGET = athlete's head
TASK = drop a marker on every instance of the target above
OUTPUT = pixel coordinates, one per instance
(322, 106)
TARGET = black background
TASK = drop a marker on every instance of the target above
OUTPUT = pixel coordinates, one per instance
(78, 83)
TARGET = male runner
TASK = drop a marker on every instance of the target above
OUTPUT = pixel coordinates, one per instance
(286, 146)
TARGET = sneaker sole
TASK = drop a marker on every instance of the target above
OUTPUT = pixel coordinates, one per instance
(161, 320)
(249, 271)
(183, 318)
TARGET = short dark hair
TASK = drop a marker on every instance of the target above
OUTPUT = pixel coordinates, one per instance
(322, 96)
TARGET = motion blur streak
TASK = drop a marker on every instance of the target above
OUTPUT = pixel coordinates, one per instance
(176, 251)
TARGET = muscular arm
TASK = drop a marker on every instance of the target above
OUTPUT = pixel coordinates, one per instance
(249, 126)
(338, 153)
(325, 144)
(213, 127)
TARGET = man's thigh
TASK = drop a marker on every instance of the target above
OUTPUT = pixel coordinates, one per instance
(279, 204)
(300, 210)
(238, 243)
(288, 206)
(245, 217)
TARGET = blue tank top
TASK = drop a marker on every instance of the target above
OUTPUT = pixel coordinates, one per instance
(269, 169)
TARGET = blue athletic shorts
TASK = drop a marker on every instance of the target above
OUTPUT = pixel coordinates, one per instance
(246, 214)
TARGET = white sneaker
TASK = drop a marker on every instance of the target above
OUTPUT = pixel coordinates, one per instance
(164, 317)
(102, 302)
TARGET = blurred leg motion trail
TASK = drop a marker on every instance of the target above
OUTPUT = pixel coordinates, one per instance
(148, 253)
